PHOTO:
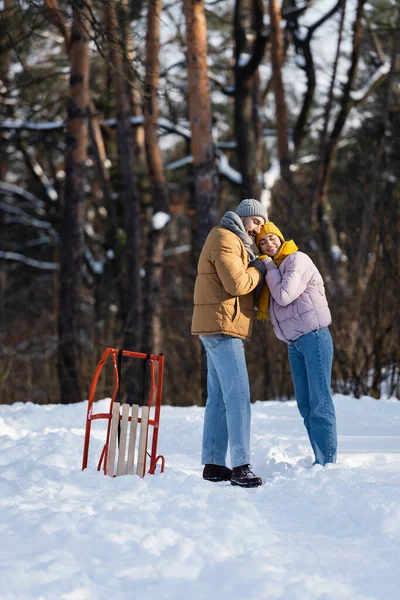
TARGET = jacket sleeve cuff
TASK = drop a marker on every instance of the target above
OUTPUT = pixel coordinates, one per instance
(270, 265)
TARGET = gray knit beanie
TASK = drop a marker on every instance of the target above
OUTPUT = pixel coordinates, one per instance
(251, 208)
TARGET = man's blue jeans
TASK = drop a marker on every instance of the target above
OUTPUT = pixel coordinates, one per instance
(310, 358)
(227, 414)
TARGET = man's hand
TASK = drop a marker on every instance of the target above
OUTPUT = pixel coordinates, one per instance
(260, 266)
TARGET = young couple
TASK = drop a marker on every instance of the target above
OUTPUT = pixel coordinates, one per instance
(290, 292)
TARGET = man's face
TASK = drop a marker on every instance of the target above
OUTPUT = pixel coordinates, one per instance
(253, 225)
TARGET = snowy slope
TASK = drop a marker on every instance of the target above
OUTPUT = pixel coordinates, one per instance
(328, 533)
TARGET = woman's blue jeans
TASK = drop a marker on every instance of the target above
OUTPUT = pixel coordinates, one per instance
(310, 358)
(227, 414)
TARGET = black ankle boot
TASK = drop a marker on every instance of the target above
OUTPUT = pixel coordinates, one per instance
(245, 477)
(217, 473)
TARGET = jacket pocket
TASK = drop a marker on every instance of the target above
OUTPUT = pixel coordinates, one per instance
(236, 310)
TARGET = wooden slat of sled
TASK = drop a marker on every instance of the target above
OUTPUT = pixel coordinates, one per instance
(142, 441)
(132, 439)
(113, 439)
(122, 440)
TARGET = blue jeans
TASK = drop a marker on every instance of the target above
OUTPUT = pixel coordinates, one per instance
(227, 414)
(310, 358)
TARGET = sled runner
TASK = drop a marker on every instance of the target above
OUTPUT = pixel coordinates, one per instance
(127, 424)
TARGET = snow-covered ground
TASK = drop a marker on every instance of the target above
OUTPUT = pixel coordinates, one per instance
(309, 532)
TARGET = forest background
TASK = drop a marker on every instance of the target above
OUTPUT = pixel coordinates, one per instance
(128, 127)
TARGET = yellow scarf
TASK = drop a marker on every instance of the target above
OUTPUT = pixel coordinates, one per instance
(287, 248)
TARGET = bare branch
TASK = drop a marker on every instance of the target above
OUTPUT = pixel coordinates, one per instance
(358, 96)
(30, 262)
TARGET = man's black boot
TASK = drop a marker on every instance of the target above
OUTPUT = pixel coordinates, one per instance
(245, 477)
(217, 473)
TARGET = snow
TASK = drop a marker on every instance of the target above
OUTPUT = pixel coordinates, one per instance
(265, 198)
(97, 266)
(272, 175)
(160, 219)
(360, 95)
(178, 164)
(12, 189)
(243, 59)
(301, 33)
(168, 125)
(336, 252)
(300, 61)
(177, 250)
(308, 533)
(303, 160)
(230, 89)
(226, 170)
(30, 262)
(20, 216)
(30, 125)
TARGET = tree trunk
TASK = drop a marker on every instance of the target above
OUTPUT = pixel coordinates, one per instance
(300, 130)
(132, 83)
(133, 320)
(159, 191)
(6, 111)
(202, 147)
(246, 113)
(72, 233)
(112, 270)
(246, 138)
(280, 102)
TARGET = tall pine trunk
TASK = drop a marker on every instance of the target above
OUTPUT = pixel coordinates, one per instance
(159, 190)
(202, 147)
(6, 111)
(280, 101)
(72, 232)
(133, 294)
(131, 77)
(248, 16)
(110, 292)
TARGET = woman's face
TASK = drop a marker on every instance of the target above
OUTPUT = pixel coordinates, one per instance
(270, 244)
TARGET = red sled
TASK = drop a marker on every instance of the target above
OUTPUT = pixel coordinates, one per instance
(126, 427)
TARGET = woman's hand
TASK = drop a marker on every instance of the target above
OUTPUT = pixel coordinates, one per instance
(268, 262)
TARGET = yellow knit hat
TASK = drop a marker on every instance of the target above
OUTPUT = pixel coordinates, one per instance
(286, 248)
(269, 227)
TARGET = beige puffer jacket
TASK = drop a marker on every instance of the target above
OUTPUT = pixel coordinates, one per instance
(223, 292)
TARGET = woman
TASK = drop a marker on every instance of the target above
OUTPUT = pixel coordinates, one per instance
(294, 300)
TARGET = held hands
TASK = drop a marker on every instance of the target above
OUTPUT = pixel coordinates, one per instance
(264, 263)
(260, 266)
(268, 262)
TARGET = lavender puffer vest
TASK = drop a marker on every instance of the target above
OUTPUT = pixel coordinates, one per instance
(298, 304)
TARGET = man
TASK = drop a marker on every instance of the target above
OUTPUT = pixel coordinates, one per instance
(223, 318)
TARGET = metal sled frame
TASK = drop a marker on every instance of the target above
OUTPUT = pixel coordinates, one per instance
(153, 422)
